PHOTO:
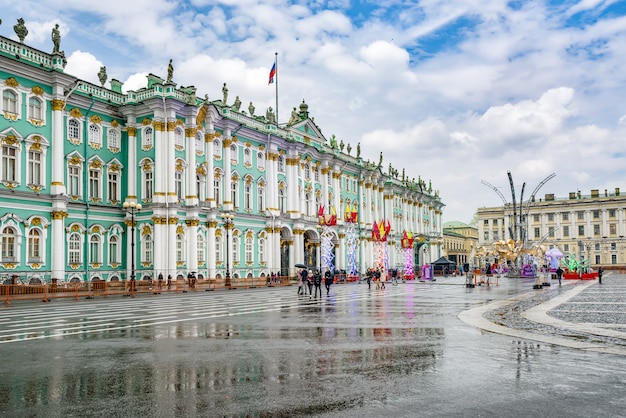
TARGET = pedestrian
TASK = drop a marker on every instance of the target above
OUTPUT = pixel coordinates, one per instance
(318, 283)
(309, 281)
(328, 280)
(377, 278)
(559, 274)
(301, 279)
(160, 281)
(600, 271)
(383, 279)
(368, 278)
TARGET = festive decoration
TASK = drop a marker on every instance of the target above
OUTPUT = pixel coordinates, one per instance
(573, 264)
(380, 231)
(407, 248)
(327, 221)
(351, 218)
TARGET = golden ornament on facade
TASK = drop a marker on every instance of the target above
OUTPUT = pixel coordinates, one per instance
(76, 113)
(146, 122)
(10, 140)
(190, 132)
(11, 82)
(57, 104)
(146, 230)
(211, 224)
(8, 266)
(96, 164)
(170, 126)
(131, 131)
(173, 221)
(36, 90)
(114, 123)
(96, 119)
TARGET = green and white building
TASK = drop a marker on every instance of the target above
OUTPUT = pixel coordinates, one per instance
(73, 152)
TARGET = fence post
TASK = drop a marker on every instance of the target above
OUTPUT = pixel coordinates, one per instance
(6, 289)
(45, 298)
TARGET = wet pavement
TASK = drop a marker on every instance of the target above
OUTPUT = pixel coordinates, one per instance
(420, 349)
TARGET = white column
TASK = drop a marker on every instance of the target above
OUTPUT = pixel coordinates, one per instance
(210, 169)
(58, 245)
(171, 160)
(211, 262)
(161, 166)
(192, 244)
(226, 184)
(57, 145)
(131, 168)
(192, 196)
(292, 183)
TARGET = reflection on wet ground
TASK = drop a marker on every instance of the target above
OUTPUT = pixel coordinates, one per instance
(401, 352)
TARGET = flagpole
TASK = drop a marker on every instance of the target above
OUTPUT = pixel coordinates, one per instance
(276, 64)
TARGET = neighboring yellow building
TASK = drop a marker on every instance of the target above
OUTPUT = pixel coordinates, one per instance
(589, 227)
(459, 240)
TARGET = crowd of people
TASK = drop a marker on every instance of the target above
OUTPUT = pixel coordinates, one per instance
(309, 279)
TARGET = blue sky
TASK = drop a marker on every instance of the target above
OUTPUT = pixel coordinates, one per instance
(454, 91)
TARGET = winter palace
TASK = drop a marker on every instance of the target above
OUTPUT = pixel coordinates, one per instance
(96, 182)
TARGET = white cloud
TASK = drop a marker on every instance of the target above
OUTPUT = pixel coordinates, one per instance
(84, 66)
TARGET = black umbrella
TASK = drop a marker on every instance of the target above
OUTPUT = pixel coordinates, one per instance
(301, 266)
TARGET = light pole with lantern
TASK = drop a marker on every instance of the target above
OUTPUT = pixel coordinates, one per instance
(228, 220)
(132, 208)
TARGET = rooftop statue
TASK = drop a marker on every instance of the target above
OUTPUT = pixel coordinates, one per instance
(237, 104)
(56, 39)
(251, 109)
(20, 29)
(225, 94)
(102, 75)
(170, 71)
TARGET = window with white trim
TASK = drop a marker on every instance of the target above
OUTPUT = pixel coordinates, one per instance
(94, 183)
(34, 245)
(234, 154)
(201, 249)
(74, 248)
(148, 249)
(34, 168)
(199, 143)
(260, 161)
(95, 138)
(281, 164)
(9, 101)
(247, 197)
(73, 180)
(180, 248)
(235, 248)
(113, 139)
(179, 138)
(9, 163)
(261, 199)
(234, 191)
(282, 198)
(114, 250)
(147, 137)
(218, 250)
(249, 251)
(9, 245)
(178, 185)
(73, 130)
(95, 249)
(35, 108)
(247, 157)
(217, 188)
(217, 149)
(262, 250)
(307, 171)
(114, 190)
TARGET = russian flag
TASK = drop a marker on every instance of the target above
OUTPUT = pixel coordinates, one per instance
(272, 74)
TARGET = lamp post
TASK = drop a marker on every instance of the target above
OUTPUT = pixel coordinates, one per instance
(132, 208)
(227, 219)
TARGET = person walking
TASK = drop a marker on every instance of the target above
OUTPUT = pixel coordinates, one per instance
(377, 278)
(309, 281)
(318, 283)
(600, 271)
(368, 278)
(383, 279)
(559, 274)
(301, 279)
(328, 280)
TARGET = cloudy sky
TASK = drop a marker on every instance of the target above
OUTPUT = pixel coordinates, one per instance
(454, 91)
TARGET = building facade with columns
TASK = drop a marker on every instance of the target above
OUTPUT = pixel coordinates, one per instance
(588, 226)
(73, 152)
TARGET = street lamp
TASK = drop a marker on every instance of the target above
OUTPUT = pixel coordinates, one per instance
(132, 208)
(227, 219)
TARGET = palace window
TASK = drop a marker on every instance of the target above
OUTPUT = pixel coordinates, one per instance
(74, 249)
(9, 245)
(114, 250)
(148, 249)
(235, 248)
(218, 250)
(94, 183)
(282, 198)
(247, 197)
(307, 172)
(178, 185)
(281, 164)
(94, 135)
(73, 130)
(147, 137)
(217, 188)
(34, 168)
(199, 143)
(234, 157)
(249, 251)
(200, 249)
(113, 139)
(261, 199)
(217, 149)
(35, 108)
(179, 138)
(233, 193)
(262, 250)
(247, 157)
(73, 180)
(94, 249)
(566, 231)
(34, 245)
(260, 161)
(180, 248)
(114, 194)
(9, 102)
(9, 163)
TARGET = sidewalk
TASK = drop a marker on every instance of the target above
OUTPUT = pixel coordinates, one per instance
(585, 315)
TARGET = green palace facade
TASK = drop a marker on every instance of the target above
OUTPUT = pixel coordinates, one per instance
(73, 152)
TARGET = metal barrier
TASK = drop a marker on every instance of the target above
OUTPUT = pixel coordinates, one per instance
(46, 292)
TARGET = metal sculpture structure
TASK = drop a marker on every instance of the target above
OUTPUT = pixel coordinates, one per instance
(517, 250)
(351, 217)
(380, 231)
(327, 222)
(407, 248)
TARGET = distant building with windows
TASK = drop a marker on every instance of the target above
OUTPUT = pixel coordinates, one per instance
(73, 152)
(459, 240)
(590, 227)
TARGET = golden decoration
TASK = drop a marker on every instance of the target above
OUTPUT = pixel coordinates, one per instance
(11, 82)
(10, 140)
(131, 131)
(35, 266)
(114, 167)
(170, 126)
(96, 119)
(58, 215)
(173, 221)
(76, 113)
(146, 230)
(190, 132)
(147, 166)
(180, 229)
(96, 164)
(8, 266)
(211, 224)
(57, 104)
(201, 171)
(75, 228)
(192, 222)
(146, 122)
(36, 90)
